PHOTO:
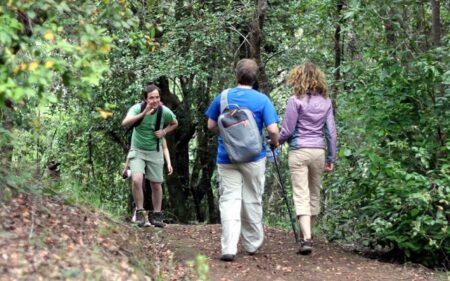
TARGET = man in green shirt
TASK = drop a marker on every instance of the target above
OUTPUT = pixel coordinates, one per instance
(145, 158)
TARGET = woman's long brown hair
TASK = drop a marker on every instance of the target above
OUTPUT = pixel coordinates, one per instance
(307, 78)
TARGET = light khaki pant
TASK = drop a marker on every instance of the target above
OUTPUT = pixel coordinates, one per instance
(241, 187)
(306, 166)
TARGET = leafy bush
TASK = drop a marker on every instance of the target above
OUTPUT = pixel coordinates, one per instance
(392, 185)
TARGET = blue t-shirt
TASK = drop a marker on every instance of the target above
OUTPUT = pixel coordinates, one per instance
(257, 102)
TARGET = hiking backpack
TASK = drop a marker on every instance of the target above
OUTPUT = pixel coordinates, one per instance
(239, 131)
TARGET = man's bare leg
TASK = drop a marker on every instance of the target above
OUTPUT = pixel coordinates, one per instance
(157, 219)
(156, 196)
(138, 194)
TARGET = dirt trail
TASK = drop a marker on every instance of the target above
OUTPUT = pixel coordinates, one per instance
(277, 259)
(46, 239)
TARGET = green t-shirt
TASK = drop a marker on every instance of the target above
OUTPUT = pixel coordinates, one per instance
(143, 136)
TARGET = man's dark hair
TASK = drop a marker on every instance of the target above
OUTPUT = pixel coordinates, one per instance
(246, 72)
(148, 89)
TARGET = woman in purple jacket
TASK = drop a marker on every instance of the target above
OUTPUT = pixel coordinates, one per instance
(310, 130)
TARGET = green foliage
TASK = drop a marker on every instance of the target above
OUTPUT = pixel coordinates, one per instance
(200, 267)
(57, 52)
(72, 68)
(382, 204)
(392, 186)
(49, 53)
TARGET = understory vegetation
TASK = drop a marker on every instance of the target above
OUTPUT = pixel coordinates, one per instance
(70, 70)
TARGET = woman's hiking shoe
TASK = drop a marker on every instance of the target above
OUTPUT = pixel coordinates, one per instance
(157, 219)
(306, 247)
(227, 257)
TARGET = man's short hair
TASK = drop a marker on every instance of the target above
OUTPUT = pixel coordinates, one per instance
(246, 72)
(148, 89)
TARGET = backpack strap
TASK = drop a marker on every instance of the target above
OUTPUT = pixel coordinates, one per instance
(127, 131)
(158, 124)
(224, 100)
(143, 105)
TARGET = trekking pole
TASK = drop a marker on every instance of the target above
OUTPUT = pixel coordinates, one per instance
(292, 219)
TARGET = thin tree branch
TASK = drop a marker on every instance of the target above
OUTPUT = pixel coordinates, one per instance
(242, 35)
(281, 51)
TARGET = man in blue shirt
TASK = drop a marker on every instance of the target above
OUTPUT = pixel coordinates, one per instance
(241, 185)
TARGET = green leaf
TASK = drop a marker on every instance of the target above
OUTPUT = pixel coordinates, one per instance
(347, 152)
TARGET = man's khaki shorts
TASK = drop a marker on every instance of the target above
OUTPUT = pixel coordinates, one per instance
(149, 163)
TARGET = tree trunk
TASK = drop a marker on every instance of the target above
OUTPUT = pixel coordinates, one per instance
(204, 164)
(256, 39)
(337, 49)
(177, 185)
(441, 137)
(91, 171)
(389, 28)
(436, 22)
(6, 150)
(143, 15)
(202, 172)
(6, 117)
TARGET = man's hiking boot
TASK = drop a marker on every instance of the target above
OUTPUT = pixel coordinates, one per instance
(157, 219)
(306, 247)
(139, 217)
(227, 257)
(133, 218)
(252, 253)
(147, 222)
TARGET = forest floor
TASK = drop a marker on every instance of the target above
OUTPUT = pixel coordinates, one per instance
(46, 239)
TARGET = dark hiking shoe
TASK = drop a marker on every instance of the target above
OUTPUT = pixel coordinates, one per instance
(139, 217)
(306, 247)
(227, 257)
(157, 219)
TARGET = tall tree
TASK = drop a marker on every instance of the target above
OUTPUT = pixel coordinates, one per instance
(178, 184)
(337, 47)
(436, 39)
(256, 41)
(435, 22)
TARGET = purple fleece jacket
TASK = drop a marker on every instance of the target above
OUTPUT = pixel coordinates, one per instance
(309, 123)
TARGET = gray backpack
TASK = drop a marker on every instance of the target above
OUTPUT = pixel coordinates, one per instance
(239, 131)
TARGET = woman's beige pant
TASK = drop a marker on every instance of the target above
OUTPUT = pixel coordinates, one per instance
(306, 166)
